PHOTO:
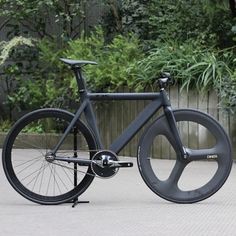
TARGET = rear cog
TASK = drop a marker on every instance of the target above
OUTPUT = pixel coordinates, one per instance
(103, 164)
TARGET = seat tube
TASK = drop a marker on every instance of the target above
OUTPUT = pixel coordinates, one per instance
(91, 119)
(88, 111)
(172, 123)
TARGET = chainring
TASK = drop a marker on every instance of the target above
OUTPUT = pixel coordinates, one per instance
(104, 171)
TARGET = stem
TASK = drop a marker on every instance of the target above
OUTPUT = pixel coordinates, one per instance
(4, 23)
(8, 86)
(115, 12)
(75, 29)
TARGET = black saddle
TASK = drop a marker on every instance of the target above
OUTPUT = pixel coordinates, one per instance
(77, 63)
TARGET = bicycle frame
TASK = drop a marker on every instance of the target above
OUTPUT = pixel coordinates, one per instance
(158, 100)
(46, 172)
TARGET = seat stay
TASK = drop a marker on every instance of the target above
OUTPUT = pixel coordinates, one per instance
(69, 128)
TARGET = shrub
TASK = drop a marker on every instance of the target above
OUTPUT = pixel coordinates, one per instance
(44, 81)
(206, 20)
(113, 60)
(191, 64)
(227, 93)
(40, 18)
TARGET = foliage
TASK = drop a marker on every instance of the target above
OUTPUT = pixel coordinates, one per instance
(140, 39)
(113, 59)
(191, 64)
(42, 18)
(227, 93)
(13, 53)
(179, 20)
(45, 82)
(111, 19)
(7, 47)
(31, 83)
(5, 125)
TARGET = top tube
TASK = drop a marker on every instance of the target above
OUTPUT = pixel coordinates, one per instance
(123, 96)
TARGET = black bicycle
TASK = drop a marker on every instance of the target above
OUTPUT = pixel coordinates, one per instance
(51, 156)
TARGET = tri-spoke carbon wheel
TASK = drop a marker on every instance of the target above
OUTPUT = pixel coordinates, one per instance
(171, 176)
(27, 167)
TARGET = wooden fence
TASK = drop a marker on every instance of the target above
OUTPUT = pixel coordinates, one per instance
(114, 116)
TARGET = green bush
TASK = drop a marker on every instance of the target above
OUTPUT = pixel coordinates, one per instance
(114, 60)
(120, 63)
(208, 21)
(192, 65)
(13, 65)
(40, 18)
(35, 82)
(44, 81)
(227, 93)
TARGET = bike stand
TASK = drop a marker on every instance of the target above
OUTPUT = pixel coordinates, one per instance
(76, 201)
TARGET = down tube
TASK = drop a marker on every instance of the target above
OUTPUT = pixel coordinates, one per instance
(136, 125)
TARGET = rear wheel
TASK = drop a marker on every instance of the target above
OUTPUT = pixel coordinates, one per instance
(26, 167)
(179, 180)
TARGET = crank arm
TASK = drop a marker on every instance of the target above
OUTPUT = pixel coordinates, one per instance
(79, 161)
(120, 164)
(84, 162)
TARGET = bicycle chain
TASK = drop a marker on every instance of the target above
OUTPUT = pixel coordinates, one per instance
(79, 171)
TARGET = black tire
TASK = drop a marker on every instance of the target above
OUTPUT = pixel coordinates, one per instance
(177, 186)
(24, 160)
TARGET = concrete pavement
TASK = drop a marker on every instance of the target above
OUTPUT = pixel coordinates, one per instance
(123, 205)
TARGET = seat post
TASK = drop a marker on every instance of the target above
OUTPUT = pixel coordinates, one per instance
(80, 80)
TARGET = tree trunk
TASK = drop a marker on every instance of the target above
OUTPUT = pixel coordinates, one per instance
(232, 4)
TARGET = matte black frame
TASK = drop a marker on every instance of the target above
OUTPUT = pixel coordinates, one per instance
(158, 100)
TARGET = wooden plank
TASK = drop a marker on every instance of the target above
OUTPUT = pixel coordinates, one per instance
(224, 119)
(138, 109)
(106, 124)
(213, 110)
(232, 133)
(132, 115)
(193, 128)
(112, 120)
(174, 99)
(204, 138)
(126, 120)
(183, 129)
(213, 104)
(102, 121)
(203, 102)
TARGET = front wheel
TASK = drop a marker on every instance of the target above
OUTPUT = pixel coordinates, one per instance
(25, 163)
(179, 180)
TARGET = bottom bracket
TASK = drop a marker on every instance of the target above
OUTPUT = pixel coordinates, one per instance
(100, 164)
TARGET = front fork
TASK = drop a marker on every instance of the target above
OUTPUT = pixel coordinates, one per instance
(168, 111)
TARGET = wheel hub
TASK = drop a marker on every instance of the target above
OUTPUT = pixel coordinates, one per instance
(50, 157)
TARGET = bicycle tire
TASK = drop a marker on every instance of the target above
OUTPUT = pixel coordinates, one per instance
(20, 144)
(168, 187)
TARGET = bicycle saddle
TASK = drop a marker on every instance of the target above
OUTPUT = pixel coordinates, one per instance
(77, 62)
